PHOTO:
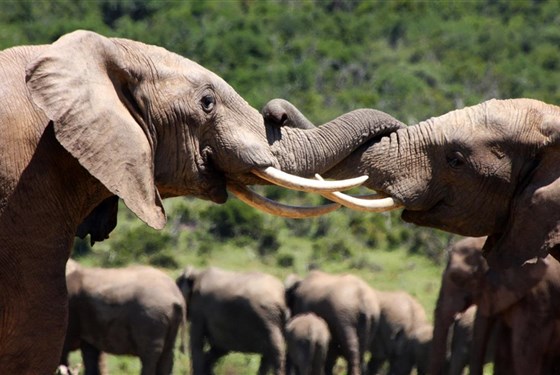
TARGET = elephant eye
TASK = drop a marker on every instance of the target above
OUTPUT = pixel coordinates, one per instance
(207, 102)
(456, 160)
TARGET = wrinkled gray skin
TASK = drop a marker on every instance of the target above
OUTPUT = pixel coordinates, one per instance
(348, 305)
(530, 310)
(135, 311)
(401, 315)
(88, 120)
(461, 342)
(234, 312)
(490, 169)
(307, 340)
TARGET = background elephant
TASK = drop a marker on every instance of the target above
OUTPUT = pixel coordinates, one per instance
(234, 311)
(136, 310)
(87, 120)
(530, 314)
(307, 340)
(395, 342)
(422, 347)
(348, 305)
(490, 169)
(462, 341)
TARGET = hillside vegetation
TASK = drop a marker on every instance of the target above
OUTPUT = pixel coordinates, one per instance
(411, 59)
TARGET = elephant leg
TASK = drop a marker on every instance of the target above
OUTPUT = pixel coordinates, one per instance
(91, 356)
(318, 360)
(366, 333)
(276, 354)
(211, 357)
(374, 364)
(351, 351)
(290, 368)
(264, 366)
(165, 361)
(377, 359)
(330, 361)
(530, 338)
(401, 360)
(149, 363)
(503, 362)
(197, 347)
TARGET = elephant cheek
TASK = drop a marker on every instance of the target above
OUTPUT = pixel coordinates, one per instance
(192, 177)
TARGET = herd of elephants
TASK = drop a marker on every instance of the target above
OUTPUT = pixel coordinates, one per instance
(88, 120)
(303, 325)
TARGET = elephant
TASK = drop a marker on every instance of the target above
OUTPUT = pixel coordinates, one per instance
(307, 340)
(137, 310)
(487, 170)
(529, 314)
(88, 120)
(401, 315)
(422, 346)
(348, 305)
(234, 312)
(461, 342)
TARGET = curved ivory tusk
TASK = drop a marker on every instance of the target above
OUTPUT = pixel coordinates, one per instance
(275, 208)
(293, 182)
(374, 204)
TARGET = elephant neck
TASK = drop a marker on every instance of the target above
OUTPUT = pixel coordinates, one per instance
(46, 202)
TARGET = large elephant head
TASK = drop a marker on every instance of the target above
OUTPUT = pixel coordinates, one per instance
(151, 124)
(491, 169)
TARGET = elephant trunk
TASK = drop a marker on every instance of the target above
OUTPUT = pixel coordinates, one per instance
(438, 356)
(398, 165)
(308, 151)
(452, 299)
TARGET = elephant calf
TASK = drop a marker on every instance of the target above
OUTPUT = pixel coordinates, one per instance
(421, 343)
(461, 342)
(136, 311)
(348, 305)
(307, 338)
(231, 311)
(397, 337)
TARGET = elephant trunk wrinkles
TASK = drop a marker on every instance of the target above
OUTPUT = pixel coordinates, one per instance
(308, 151)
(395, 165)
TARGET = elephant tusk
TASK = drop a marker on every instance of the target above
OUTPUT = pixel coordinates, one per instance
(375, 203)
(293, 182)
(275, 208)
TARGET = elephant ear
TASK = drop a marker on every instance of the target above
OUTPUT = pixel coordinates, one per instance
(533, 227)
(83, 85)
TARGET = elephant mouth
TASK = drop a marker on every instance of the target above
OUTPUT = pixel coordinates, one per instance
(236, 183)
(426, 216)
(328, 189)
(441, 215)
